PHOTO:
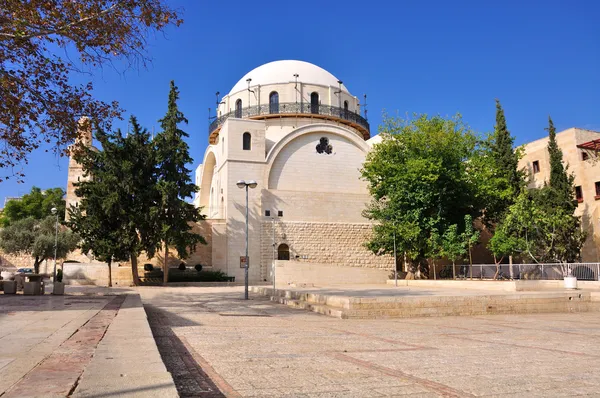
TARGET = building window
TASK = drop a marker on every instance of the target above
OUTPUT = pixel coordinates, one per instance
(238, 108)
(597, 190)
(280, 213)
(247, 141)
(323, 146)
(584, 156)
(283, 252)
(274, 102)
(536, 166)
(267, 213)
(579, 194)
(345, 115)
(314, 103)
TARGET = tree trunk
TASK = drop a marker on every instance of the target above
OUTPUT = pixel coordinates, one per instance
(134, 269)
(453, 270)
(510, 268)
(36, 265)
(166, 266)
(109, 272)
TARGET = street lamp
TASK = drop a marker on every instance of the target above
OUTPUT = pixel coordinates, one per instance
(245, 184)
(54, 211)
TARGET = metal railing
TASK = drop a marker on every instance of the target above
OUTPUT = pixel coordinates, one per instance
(289, 108)
(546, 271)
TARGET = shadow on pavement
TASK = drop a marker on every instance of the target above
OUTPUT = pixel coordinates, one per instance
(190, 379)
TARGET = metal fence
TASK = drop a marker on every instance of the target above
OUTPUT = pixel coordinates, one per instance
(286, 108)
(582, 271)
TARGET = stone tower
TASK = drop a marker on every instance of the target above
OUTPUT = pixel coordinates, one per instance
(84, 137)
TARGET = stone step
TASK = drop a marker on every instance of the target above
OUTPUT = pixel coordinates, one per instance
(318, 308)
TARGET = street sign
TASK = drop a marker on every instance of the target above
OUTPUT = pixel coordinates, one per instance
(243, 261)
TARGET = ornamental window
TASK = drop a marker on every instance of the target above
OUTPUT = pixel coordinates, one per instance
(324, 146)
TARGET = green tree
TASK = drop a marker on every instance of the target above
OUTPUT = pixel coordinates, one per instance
(116, 214)
(453, 246)
(470, 236)
(561, 182)
(505, 155)
(175, 215)
(418, 180)
(495, 167)
(36, 238)
(45, 46)
(36, 204)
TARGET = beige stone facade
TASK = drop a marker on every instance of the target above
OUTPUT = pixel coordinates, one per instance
(297, 131)
(582, 159)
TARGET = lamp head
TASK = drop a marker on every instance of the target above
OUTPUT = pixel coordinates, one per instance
(252, 184)
(241, 184)
(54, 210)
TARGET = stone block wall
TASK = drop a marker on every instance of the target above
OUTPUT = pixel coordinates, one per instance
(296, 272)
(330, 244)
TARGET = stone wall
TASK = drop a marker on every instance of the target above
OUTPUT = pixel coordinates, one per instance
(296, 272)
(331, 244)
(96, 274)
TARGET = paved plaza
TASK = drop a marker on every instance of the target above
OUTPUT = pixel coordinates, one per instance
(89, 345)
(258, 348)
(209, 342)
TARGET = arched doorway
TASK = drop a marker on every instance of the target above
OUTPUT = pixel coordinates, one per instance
(283, 252)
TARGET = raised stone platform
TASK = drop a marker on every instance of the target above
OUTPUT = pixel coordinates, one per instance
(502, 285)
(376, 302)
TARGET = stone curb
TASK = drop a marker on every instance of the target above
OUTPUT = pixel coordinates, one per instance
(127, 362)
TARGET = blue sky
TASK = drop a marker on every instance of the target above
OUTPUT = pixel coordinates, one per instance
(436, 57)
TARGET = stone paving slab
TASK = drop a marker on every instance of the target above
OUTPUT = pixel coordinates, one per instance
(259, 348)
(84, 345)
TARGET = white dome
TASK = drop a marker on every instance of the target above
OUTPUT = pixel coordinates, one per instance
(283, 72)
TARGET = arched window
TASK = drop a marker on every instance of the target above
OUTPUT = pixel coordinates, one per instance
(274, 102)
(238, 108)
(314, 102)
(283, 252)
(345, 115)
(246, 141)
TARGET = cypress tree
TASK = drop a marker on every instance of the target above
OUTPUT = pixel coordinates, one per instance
(561, 182)
(507, 159)
(175, 215)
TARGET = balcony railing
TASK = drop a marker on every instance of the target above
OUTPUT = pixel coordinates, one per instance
(292, 108)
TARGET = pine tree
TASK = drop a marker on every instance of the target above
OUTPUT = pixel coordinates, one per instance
(174, 184)
(506, 157)
(561, 182)
(115, 214)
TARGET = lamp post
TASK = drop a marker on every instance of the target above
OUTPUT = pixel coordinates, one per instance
(245, 184)
(54, 211)
(273, 270)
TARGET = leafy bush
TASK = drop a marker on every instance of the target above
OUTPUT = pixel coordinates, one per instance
(59, 275)
(200, 276)
(182, 267)
(198, 267)
(446, 272)
(148, 267)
